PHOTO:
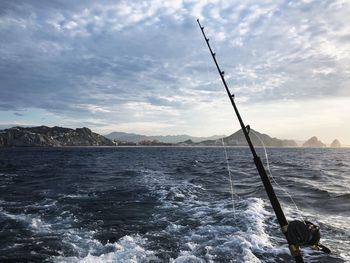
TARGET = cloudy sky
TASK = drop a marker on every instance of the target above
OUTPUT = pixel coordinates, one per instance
(143, 66)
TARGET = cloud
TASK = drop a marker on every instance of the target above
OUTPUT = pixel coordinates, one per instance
(126, 62)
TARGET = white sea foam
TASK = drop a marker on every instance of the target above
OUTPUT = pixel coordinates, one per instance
(187, 259)
(199, 226)
(35, 223)
(76, 196)
(128, 249)
(239, 238)
(207, 230)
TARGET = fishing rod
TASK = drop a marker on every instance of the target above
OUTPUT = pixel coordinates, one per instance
(297, 233)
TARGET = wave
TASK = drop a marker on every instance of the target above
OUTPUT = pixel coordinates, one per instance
(168, 206)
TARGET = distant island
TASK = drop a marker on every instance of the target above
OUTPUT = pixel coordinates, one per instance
(257, 138)
(314, 142)
(136, 138)
(236, 139)
(43, 136)
(335, 144)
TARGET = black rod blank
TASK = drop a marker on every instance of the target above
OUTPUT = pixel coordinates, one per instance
(294, 249)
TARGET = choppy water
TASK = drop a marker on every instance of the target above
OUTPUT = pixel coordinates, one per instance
(166, 204)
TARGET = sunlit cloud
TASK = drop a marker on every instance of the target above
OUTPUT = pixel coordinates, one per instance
(128, 65)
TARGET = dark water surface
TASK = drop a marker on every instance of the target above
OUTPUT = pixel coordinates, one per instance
(166, 204)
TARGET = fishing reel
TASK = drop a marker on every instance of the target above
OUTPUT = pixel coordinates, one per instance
(305, 234)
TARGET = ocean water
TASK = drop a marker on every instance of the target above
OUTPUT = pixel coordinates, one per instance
(167, 204)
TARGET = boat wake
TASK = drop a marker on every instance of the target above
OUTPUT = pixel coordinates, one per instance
(173, 206)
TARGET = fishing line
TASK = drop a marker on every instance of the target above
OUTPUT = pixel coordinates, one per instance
(297, 233)
(273, 179)
(227, 161)
(230, 177)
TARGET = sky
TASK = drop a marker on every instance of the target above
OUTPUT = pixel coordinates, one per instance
(143, 66)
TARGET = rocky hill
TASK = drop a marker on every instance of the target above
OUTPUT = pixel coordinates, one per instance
(136, 138)
(314, 142)
(238, 139)
(335, 144)
(187, 143)
(55, 136)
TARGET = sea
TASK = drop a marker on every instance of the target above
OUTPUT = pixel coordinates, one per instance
(168, 204)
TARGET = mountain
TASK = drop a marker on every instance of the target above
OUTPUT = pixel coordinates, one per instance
(126, 137)
(186, 143)
(55, 136)
(136, 138)
(313, 142)
(335, 144)
(238, 139)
